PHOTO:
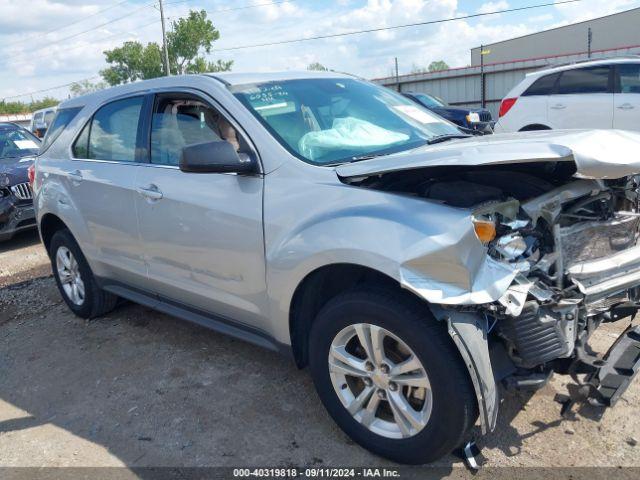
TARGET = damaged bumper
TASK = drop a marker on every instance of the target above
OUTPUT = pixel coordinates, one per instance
(554, 278)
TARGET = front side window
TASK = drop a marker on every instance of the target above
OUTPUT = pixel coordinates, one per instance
(629, 78)
(584, 80)
(181, 121)
(112, 132)
(62, 119)
(327, 121)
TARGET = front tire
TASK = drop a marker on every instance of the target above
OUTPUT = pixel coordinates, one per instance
(390, 376)
(75, 280)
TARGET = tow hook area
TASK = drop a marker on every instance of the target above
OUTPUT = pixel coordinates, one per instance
(607, 378)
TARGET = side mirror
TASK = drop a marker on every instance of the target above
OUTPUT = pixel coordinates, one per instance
(215, 157)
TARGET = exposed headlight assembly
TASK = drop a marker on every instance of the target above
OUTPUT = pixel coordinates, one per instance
(510, 246)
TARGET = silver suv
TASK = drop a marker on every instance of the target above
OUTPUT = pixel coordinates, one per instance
(415, 271)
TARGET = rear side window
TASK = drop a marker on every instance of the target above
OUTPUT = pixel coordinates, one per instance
(543, 85)
(112, 132)
(629, 78)
(62, 119)
(584, 80)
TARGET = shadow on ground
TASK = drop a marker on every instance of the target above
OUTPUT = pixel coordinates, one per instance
(139, 388)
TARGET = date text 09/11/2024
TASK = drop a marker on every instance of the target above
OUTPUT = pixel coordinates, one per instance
(325, 472)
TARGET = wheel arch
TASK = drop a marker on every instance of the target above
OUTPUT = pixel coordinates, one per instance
(49, 225)
(534, 126)
(321, 285)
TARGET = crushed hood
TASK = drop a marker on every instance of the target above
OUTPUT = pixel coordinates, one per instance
(597, 154)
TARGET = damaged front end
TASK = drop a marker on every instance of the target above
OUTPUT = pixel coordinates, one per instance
(561, 256)
(16, 207)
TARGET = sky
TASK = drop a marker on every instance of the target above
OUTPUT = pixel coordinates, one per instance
(57, 42)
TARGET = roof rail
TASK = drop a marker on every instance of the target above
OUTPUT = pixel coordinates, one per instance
(630, 56)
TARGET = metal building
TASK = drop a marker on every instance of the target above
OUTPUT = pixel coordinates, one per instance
(610, 32)
(486, 82)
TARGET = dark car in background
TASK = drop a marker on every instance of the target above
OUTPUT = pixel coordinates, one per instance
(17, 150)
(476, 119)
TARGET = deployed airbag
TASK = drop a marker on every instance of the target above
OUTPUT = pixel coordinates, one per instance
(348, 133)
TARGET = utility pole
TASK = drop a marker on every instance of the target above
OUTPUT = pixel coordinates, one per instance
(589, 39)
(167, 71)
(482, 89)
(397, 76)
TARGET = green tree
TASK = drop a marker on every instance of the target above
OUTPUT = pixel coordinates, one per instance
(11, 108)
(188, 40)
(85, 86)
(438, 66)
(132, 61)
(317, 66)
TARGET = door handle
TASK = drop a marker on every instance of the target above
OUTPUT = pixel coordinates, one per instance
(558, 106)
(151, 192)
(625, 106)
(75, 176)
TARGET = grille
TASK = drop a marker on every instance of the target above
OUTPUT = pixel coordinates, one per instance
(485, 116)
(22, 191)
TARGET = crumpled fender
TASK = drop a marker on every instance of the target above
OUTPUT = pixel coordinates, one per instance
(469, 333)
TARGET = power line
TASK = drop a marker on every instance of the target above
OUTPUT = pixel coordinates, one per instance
(92, 29)
(117, 34)
(395, 27)
(319, 37)
(152, 4)
(255, 5)
(47, 32)
(51, 88)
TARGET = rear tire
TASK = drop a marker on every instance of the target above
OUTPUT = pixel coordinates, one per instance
(75, 279)
(407, 322)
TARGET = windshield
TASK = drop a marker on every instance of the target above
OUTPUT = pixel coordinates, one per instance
(15, 142)
(429, 101)
(329, 121)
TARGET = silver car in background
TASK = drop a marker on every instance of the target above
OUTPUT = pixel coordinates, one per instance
(414, 270)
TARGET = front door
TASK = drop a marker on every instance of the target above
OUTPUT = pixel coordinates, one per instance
(202, 233)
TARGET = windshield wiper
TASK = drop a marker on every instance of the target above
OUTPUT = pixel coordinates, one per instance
(444, 138)
(366, 157)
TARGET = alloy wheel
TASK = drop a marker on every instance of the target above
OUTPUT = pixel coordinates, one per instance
(69, 275)
(380, 381)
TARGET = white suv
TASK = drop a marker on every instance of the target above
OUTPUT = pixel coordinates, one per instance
(595, 94)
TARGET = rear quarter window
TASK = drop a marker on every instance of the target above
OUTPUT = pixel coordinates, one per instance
(543, 85)
(60, 122)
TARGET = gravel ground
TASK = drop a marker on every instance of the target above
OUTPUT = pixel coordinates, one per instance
(138, 388)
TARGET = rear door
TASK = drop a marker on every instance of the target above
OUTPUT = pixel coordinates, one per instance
(202, 232)
(100, 180)
(583, 98)
(626, 99)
